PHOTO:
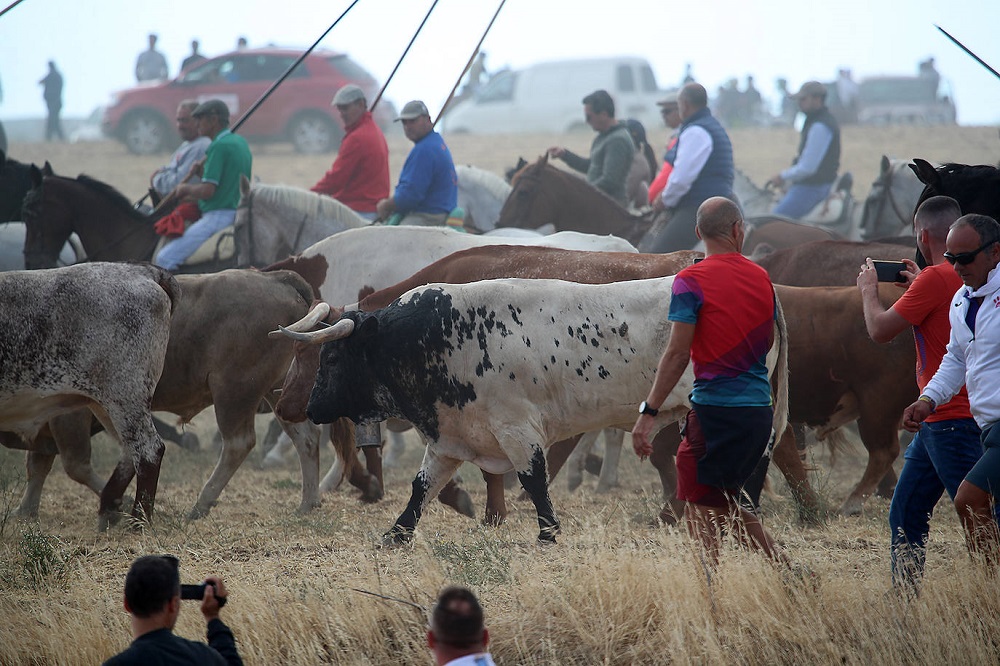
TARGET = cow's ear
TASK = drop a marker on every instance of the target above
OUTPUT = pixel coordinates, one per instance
(367, 328)
(47, 169)
(926, 172)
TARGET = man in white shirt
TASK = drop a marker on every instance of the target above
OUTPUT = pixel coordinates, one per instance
(166, 178)
(458, 635)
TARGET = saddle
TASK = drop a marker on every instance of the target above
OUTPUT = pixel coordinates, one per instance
(834, 212)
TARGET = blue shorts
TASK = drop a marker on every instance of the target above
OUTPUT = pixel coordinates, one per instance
(985, 474)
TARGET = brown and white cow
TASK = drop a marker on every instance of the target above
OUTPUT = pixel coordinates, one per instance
(90, 336)
(218, 354)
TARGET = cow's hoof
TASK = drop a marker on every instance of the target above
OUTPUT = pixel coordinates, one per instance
(373, 492)
(852, 507)
(396, 537)
(307, 507)
(463, 504)
(547, 535)
(593, 464)
(198, 512)
(493, 519)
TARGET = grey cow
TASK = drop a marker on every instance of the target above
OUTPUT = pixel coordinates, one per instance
(92, 335)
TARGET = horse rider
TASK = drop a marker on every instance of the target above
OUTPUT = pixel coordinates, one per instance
(359, 177)
(672, 118)
(227, 159)
(702, 169)
(192, 150)
(611, 152)
(814, 170)
(428, 186)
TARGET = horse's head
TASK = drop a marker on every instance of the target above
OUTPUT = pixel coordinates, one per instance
(888, 209)
(975, 188)
(48, 220)
(530, 204)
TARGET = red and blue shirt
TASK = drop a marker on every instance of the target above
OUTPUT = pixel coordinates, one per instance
(731, 302)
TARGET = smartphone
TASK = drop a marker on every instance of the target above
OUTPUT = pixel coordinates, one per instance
(197, 592)
(889, 271)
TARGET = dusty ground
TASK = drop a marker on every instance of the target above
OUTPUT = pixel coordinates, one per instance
(759, 152)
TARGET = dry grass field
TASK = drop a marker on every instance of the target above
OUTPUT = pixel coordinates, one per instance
(614, 590)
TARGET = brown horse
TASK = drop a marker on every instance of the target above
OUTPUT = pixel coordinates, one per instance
(541, 194)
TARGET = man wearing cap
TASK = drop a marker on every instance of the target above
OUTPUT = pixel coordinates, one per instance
(228, 157)
(815, 167)
(611, 152)
(428, 186)
(166, 178)
(672, 118)
(703, 168)
(359, 177)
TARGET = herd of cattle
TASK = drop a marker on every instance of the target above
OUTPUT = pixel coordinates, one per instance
(497, 350)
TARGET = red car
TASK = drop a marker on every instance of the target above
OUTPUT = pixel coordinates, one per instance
(298, 111)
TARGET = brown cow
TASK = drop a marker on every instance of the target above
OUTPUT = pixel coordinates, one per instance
(218, 354)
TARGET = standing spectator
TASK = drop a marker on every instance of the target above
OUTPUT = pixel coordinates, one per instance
(458, 635)
(476, 76)
(672, 118)
(847, 94)
(228, 157)
(52, 89)
(927, 71)
(973, 360)
(241, 43)
(610, 153)
(947, 444)
(196, 58)
(789, 107)
(428, 186)
(359, 177)
(722, 311)
(190, 152)
(153, 599)
(688, 77)
(814, 169)
(751, 103)
(703, 169)
(151, 65)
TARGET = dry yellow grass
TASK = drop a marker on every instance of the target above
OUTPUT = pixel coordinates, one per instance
(613, 591)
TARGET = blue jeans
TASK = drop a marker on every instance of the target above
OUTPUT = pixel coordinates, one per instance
(938, 458)
(800, 199)
(176, 251)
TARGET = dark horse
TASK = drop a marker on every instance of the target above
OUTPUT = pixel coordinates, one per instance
(15, 181)
(541, 194)
(109, 228)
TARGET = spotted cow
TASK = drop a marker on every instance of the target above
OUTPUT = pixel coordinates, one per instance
(88, 336)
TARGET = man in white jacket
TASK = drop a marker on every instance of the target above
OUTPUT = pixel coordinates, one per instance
(973, 359)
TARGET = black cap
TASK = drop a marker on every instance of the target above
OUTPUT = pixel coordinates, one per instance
(212, 107)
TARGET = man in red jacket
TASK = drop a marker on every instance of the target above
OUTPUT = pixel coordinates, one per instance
(359, 177)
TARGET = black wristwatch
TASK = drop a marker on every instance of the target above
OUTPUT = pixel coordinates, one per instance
(646, 409)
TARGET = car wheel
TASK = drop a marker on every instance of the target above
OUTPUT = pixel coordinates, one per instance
(313, 133)
(145, 133)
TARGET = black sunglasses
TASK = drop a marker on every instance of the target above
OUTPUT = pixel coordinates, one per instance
(966, 258)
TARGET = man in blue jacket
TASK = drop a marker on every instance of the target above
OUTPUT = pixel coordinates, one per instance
(428, 187)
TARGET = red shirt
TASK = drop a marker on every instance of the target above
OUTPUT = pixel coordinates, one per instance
(359, 177)
(925, 305)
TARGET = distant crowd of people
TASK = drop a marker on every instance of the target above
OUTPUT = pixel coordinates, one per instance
(151, 65)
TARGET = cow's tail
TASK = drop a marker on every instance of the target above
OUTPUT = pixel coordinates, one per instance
(169, 284)
(779, 377)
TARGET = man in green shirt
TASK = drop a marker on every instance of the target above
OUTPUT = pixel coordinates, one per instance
(611, 153)
(228, 157)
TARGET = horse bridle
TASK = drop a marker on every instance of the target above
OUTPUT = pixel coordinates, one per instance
(886, 182)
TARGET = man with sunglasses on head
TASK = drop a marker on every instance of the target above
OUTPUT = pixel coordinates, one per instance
(973, 360)
(153, 599)
(947, 444)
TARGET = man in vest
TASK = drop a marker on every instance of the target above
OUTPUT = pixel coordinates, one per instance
(815, 167)
(703, 168)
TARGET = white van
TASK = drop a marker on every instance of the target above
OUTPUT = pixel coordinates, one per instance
(547, 97)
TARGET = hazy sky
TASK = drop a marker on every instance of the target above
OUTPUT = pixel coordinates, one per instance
(95, 42)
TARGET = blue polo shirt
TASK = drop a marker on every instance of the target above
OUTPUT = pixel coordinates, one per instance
(427, 183)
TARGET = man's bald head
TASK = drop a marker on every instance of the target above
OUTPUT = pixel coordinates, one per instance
(695, 95)
(716, 217)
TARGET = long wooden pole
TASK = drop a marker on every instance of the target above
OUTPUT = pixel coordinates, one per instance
(472, 57)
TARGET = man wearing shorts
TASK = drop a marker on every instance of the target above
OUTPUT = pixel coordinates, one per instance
(972, 359)
(722, 311)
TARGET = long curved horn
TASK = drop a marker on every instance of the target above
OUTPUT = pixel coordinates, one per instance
(341, 329)
(353, 307)
(307, 323)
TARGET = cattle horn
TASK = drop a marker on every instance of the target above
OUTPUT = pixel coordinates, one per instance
(307, 323)
(341, 329)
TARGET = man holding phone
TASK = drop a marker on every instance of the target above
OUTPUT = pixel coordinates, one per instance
(947, 445)
(153, 599)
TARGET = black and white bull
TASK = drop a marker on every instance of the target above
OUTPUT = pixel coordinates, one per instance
(88, 336)
(494, 372)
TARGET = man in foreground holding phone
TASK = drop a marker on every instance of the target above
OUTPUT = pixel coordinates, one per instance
(947, 444)
(153, 599)
(973, 359)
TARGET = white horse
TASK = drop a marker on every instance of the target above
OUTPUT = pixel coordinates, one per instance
(482, 195)
(889, 207)
(275, 221)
